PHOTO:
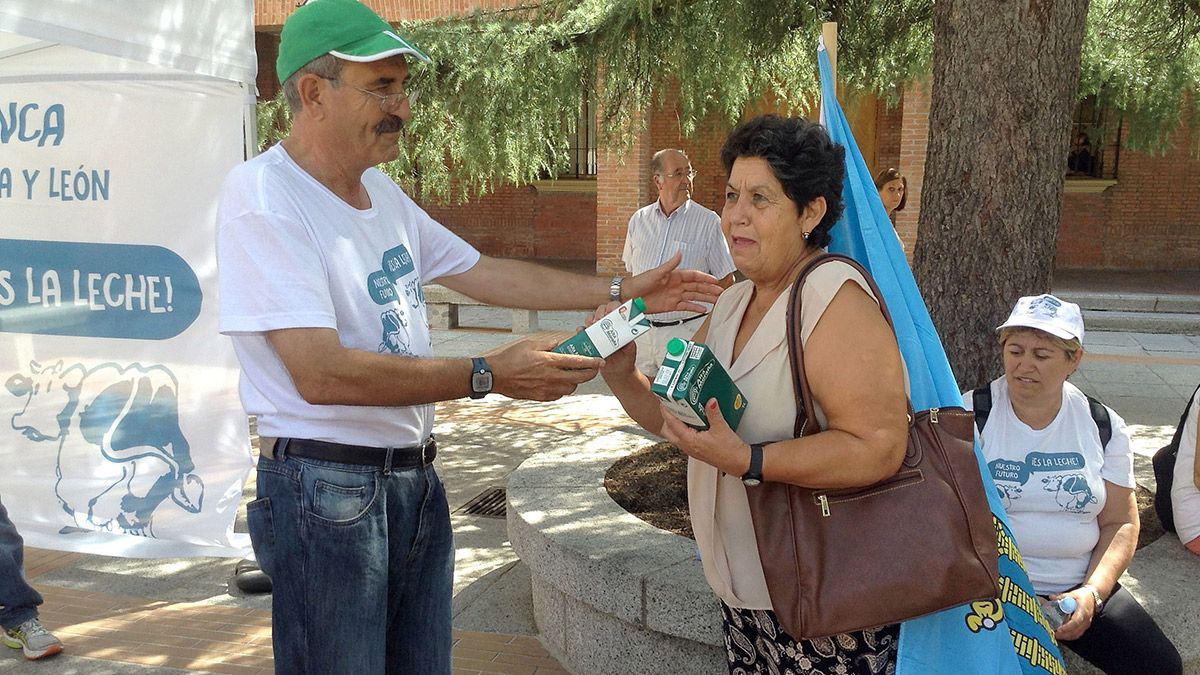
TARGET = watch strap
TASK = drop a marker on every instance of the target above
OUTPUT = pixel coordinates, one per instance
(753, 475)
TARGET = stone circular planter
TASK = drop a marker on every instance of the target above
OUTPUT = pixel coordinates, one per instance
(611, 593)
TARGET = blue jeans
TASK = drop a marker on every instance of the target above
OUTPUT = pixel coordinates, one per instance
(361, 563)
(18, 600)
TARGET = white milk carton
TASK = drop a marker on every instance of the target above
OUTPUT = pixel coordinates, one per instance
(688, 377)
(613, 331)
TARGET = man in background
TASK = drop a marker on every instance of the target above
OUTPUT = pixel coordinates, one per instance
(674, 223)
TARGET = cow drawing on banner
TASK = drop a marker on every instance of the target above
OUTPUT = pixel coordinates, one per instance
(121, 452)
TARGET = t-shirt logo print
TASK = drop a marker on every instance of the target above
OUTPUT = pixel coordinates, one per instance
(395, 333)
(396, 265)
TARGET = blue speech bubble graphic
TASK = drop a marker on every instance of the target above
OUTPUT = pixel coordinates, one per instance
(397, 262)
(1008, 470)
(1055, 461)
(381, 288)
(130, 291)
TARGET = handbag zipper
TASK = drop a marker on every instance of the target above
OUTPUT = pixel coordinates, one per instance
(899, 480)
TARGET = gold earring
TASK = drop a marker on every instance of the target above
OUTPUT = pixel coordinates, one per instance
(805, 235)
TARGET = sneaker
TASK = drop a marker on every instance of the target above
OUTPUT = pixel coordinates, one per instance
(33, 638)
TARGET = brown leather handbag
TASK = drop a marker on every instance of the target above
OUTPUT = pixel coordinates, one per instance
(921, 541)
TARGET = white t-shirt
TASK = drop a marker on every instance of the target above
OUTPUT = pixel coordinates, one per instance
(1185, 498)
(1051, 482)
(292, 254)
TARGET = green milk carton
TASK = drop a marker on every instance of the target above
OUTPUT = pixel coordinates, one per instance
(688, 377)
(615, 330)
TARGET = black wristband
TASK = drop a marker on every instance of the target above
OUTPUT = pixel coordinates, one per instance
(753, 475)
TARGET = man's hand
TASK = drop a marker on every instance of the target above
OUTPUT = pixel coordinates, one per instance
(528, 370)
(666, 289)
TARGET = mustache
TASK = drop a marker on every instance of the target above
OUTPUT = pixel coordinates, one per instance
(390, 125)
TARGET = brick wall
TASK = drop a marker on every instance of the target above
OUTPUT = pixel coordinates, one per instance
(523, 222)
(914, 137)
(1149, 220)
(622, 187)
(270, 14)
(889, 122)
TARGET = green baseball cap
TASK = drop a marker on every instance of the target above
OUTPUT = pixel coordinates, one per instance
(347, 29)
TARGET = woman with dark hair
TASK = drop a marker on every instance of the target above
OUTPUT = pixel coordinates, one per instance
(893, 190)
(782, 197)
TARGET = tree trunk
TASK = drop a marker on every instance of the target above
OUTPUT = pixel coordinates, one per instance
(1005, 75)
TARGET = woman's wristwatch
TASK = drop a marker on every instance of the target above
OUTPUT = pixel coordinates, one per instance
(753, 476)
(1095, 595)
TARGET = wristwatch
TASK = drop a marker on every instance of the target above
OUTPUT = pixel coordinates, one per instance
(753, 475)
(614, 289)
(1095, 595)
(481, 378)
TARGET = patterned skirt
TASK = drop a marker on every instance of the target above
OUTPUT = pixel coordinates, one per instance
(756, 643)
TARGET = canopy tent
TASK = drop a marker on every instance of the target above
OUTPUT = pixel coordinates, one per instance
(120, 427)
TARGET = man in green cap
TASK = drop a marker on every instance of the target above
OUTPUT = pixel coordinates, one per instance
(322, 259)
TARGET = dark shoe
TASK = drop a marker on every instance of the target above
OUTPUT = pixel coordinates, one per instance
(250, 579)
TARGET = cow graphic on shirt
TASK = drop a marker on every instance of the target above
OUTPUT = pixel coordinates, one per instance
(1071, 491)
(127, 416)
(1008, 492)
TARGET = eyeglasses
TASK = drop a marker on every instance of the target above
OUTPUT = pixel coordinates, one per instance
(690, 174)
(389, 102)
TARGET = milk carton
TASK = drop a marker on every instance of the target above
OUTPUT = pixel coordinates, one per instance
(688, 377)
(615, 330)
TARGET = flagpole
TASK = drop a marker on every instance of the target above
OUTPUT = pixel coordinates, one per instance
(829, 32)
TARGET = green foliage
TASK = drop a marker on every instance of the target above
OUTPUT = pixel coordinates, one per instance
(1141, 61)
(273, 120)
(503, 97)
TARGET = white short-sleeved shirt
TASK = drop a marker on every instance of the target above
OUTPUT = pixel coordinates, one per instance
(1185, 498)
(292, 254)
(1051, 482)
(653, 237)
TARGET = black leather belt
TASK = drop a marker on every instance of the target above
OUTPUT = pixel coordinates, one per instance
(384, 458)
(664, 324)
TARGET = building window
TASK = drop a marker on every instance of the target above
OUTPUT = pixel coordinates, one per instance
(1095, 150)
(581, 145)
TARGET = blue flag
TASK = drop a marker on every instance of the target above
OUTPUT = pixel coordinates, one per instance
(1008, 635)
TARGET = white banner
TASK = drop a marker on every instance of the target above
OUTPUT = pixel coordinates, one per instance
(121, 432)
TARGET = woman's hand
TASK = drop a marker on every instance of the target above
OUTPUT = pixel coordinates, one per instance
(719, 446)
(1081, 619)
(622, 361)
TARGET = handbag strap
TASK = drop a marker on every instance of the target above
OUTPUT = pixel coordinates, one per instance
(806, 419)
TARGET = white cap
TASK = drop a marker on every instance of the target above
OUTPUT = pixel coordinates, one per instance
(1047, 313)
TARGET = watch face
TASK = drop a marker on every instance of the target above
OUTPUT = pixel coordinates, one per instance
(751, 482)
(481, 382)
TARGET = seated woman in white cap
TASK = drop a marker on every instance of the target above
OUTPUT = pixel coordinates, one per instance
(1063, 465)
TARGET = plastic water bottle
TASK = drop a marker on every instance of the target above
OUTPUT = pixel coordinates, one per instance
(1058, 611)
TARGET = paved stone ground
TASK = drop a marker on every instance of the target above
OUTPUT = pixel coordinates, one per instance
(182, 615)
